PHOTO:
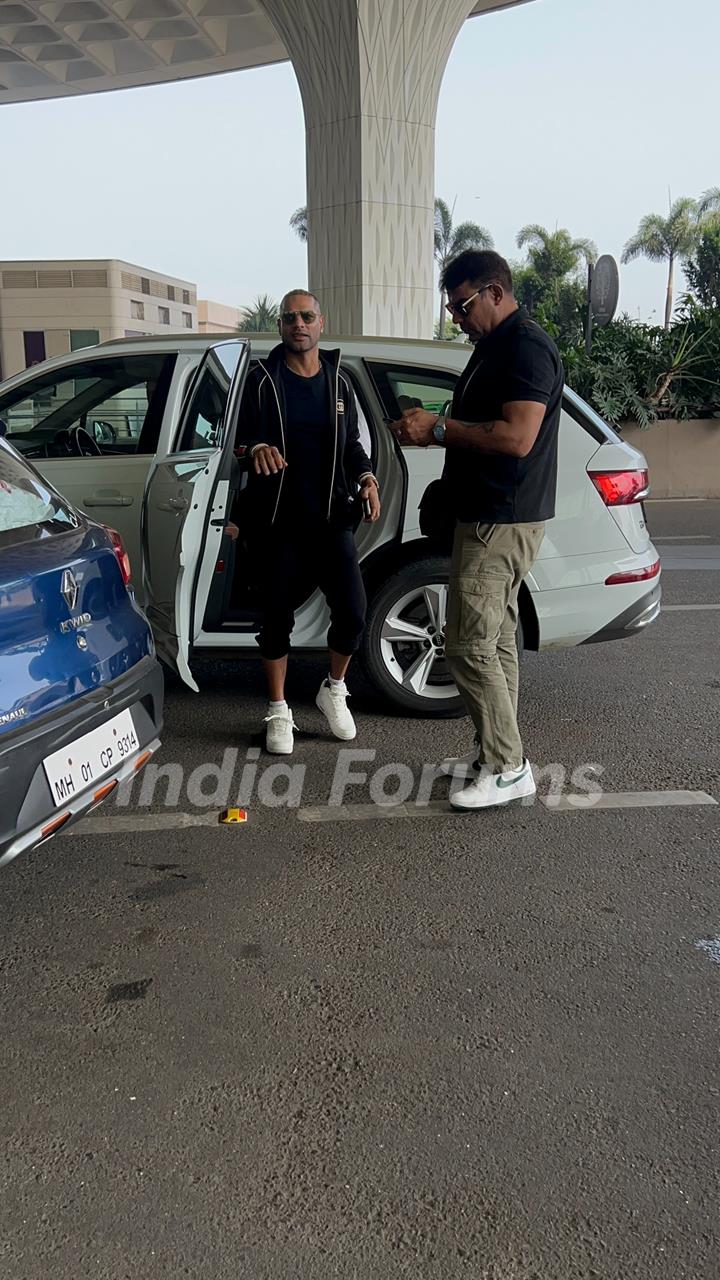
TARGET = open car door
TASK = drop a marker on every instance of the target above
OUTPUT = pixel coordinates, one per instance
(186, 500)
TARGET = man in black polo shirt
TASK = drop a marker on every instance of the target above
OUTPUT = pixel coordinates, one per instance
(500, 479)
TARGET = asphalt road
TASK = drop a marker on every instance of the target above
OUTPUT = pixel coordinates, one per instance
(428, 1046)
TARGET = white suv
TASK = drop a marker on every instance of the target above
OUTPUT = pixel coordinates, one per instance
(140, 433)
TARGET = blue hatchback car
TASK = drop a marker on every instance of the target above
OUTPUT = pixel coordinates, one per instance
(81, 690)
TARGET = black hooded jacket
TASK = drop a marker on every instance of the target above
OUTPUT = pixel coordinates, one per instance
(262, 421)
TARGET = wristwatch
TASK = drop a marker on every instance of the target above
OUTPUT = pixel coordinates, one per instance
(439, 429)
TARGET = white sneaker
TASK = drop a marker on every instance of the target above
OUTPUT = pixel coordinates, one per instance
(460, 766)
(332, 701)
(493, 789)
(279, 734)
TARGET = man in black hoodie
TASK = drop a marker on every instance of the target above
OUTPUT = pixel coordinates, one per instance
(308, 474)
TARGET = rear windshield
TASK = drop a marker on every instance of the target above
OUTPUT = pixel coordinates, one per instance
(587, 418)
(28, 509)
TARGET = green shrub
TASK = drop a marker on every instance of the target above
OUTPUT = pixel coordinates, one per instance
(640, 372)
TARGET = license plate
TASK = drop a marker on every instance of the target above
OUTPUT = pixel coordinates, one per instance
(88, 759)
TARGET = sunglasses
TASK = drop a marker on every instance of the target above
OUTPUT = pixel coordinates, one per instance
(309, 317)
(461, 308)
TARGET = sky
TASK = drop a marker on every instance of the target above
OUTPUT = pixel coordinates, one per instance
(582, 114)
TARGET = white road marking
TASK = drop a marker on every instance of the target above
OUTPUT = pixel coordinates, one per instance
(580, 803)
(142, 822)
(627, 800)
(704, 551)
(695, 564)
(683, 537)
(557, 804)
(689, 608)
(711, 947)
(370, 812)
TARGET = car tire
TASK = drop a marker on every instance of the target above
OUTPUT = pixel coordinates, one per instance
(402, 615)
(403, 599)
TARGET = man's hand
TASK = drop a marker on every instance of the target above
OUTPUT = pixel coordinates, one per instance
(369, 490)
(231, 531)
(415, 427)
(268, 460)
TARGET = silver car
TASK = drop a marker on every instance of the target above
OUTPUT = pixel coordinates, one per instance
(139, 433)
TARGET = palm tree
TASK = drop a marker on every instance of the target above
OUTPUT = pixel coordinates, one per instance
(672, 238)
(299, 223)
(709, 202)
(260, 317)
(450, 241)
(549, 284)
(554, 254)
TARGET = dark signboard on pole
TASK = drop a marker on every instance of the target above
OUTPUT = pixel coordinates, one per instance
(603, 294)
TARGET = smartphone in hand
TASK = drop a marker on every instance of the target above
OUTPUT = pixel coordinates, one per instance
(367, 509)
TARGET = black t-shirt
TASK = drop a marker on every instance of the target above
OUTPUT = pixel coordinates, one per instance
(308, 444)
(517, 361)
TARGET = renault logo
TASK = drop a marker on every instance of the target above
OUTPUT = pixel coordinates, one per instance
(69, 589)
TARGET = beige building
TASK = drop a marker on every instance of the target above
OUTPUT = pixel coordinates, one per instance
(215, 317)
(51, 308)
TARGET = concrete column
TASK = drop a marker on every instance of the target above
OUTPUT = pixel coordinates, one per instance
(369, 73)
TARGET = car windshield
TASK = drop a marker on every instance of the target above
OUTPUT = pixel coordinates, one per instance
(28, 508)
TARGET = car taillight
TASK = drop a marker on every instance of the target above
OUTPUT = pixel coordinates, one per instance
(121, 554)
(620, 488)
(634, 575)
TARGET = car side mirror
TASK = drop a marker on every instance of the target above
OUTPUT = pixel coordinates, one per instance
(104, 432)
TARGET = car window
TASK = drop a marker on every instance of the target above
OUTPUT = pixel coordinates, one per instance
(203, 419)
(403, 387)
(365, 430)
(28, 508)
(99, 406)
(587, 418)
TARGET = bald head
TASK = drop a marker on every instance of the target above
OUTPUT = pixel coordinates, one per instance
(300, 299)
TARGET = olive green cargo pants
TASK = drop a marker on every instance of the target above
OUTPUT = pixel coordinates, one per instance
(489, 562)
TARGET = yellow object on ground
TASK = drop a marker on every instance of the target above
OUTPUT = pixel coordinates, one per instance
(229, 816)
